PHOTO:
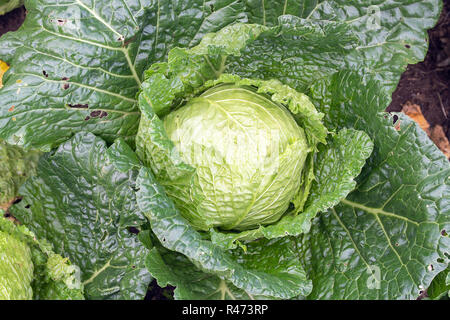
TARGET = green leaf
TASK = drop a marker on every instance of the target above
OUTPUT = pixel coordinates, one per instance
(61, 281)
(447, 282)
(386, 240)
(16, 266)
(191, 283)
(16, 166)
(403, 191)
(83, 202)
(271, 256)
(176, 234)
(185, 75)
(378, 38)
(440, 286)
(336, 166)
(87, 61)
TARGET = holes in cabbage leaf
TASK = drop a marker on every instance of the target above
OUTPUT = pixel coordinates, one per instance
(28, 206)
(61, 22)
(95, 113)
(78, 106)
(98, 113)
(133, 230)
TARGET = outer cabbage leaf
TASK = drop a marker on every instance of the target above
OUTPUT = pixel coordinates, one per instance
(173, 268)
(390, 35)
(336, 166)
(77, 66)
(16, 165)
(185, 74)
(170, 267)
(71, 88)
(387, 240)
(16, 267)
(82, 201)
(176, 234)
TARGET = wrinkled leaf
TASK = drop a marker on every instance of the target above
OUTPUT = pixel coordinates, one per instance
(336, 166)
(83, 203)
(191, 283)
(440, 286)
(9, 5)
(77, 66)
(29, 269)
(16, 165)
(386, 240)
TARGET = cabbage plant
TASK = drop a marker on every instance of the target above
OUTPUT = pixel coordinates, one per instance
(248, 154)
(229, 149)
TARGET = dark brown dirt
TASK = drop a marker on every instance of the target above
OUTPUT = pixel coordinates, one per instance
(12, 20)
(427, 84)
(155, 292)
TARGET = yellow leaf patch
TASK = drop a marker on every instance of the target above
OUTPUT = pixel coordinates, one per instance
(3, 68)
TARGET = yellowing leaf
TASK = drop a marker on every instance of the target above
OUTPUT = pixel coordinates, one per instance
(3, 68)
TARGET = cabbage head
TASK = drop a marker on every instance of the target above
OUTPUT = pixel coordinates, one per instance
(16, 268)
(29, 269)
(248, 153)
